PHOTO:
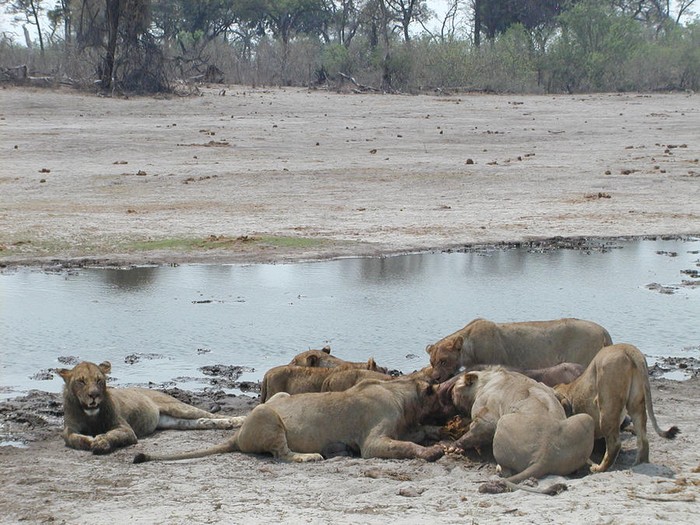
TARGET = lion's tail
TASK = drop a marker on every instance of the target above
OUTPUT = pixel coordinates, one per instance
(230, 445)
(668, 434)
(641, 362)
(533, 471)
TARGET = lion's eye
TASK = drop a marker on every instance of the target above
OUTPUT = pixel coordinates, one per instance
(80, 382)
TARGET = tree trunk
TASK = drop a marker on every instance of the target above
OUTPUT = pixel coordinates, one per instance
(113, 14)
(477, 23)
(35, 15)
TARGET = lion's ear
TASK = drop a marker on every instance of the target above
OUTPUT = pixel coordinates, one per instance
(428, 348)
(326, 349)
(371, 364)
(470, 378)
(457, 343)
(565, 403)
(312, 360)
(65, 374)
(105, 366)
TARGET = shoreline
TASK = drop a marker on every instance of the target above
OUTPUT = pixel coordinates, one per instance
(573, 242)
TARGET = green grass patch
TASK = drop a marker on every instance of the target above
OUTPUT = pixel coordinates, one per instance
(223, 242)
(164, 244)
(290, 242)
(54, 248)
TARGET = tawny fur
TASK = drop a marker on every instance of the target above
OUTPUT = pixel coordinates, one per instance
(616, 381)
(323, 359)
(374, 417)
(101, 419)
(524, 345)
(522, 420)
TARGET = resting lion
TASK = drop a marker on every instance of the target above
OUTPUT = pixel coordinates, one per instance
(323, 359)
(372, 417)
(346, 378)
(102, 419)
(525, 345)
(303, 379)
(615, 381)
(524, 421)
(550, 376)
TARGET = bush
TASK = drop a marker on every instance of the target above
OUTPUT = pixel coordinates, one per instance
(594, 46)
(590, 47)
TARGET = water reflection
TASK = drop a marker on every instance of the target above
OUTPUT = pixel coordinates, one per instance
(259, 316)
(387, 269)
(127, 279)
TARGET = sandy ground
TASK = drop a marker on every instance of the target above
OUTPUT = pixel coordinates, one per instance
(272, 175)
(49, 483)
(280, 175)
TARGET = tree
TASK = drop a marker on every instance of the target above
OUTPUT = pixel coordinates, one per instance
(28, 11)
(200, 20)
(187, 27)
(653, 13)
(61, 14)
(342, 22)
(116, 27)
(284, 19)
(496, 16)
(405, 12)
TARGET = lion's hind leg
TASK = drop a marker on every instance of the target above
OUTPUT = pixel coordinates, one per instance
(611, 400)
(636, 408)
(176, 415)
(169, 422)
(264, 433)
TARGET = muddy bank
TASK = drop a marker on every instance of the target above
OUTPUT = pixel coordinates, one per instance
(39, 415)
(47, 482)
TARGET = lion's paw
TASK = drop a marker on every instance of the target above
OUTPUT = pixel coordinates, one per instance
(432, 453)
(100, 445)
(595, 468)
(82, 442)
(303, 458)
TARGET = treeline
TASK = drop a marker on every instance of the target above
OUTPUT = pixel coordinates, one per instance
(531, 46)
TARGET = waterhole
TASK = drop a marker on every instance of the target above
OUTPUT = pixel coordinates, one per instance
(163, 325)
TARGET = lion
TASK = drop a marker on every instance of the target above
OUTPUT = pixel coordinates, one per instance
(300, 379)
(616, 380)
(323, 359)
(523, 421)
(524, 345)
(550, 376)
(102, 419)
(344, 378)
(557, 374)
(373, 417)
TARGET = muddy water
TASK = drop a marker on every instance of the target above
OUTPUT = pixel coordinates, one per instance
(162, 324)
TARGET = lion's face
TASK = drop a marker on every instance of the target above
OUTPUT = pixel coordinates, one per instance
(87, 382)
(464, 392)
(444, 358)
(316, 358)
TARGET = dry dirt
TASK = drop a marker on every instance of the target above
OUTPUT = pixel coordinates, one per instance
(274, 175)
(256, 175)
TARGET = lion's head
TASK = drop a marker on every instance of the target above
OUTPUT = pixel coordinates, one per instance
(317, 358)
(87, 382)
(445, 357)
(459, 392)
